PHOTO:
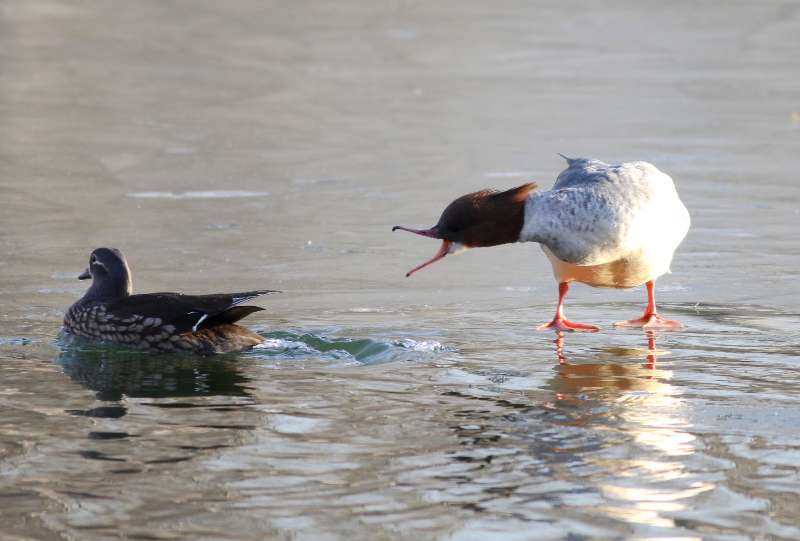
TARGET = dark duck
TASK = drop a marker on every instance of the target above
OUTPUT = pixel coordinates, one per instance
(170, 322)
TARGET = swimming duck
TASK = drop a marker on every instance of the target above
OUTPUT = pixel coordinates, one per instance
(602, 225)
(172, 322)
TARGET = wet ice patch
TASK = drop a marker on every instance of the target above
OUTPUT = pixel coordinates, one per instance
(403, 34)
(309, 246)
(671, 287)
(284, 346)
(295, 424)
(65, 275)
(312, 181)
(59, 290)
(214, 194)
(180, 150)
(296, 345)
(507, 174)
(15, 340)
(519, 289)
(421, 345)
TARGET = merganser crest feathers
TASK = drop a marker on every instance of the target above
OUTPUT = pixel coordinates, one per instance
(518, 194)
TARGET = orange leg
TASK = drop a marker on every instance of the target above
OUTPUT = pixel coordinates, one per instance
(560, 323)
(650, 319)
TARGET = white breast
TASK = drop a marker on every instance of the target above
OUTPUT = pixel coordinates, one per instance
(610, 226)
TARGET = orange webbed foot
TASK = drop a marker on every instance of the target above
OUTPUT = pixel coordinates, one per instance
(563, 324)
(651, 321)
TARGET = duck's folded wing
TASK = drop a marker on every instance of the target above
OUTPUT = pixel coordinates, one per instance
(184, 312)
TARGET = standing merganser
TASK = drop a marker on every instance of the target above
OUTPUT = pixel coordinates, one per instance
(602, 225)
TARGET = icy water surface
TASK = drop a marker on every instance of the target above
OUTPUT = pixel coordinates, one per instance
(228, 147)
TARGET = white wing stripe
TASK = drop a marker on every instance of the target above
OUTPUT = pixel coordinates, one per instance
(199, 321)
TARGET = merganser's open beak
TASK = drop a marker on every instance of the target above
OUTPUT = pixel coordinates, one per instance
(443, 251)
(85, 275)
(433, 233)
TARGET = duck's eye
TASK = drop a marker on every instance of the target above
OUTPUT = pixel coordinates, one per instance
(92, 260)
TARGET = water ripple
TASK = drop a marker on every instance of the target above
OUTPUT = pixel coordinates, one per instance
(299, 344)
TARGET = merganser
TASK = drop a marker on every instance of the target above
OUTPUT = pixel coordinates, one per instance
(157, 321)
(602, 225)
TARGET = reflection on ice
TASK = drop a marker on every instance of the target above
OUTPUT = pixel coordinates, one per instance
(114, 373)
(608, 438)
(216, 194)
(652, 483)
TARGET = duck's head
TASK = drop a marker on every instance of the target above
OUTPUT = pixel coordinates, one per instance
(111, 277)
(479, 219)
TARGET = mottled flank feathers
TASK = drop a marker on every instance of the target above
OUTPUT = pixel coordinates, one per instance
(170, 322)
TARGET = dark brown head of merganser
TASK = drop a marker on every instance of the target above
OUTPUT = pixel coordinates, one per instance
(479, 219)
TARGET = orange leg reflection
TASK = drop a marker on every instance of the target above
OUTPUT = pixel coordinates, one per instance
(651, 349)
(559, 342)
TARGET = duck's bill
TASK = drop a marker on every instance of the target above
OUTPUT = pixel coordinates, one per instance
(433, 232)
(444, 249)
(85, 275)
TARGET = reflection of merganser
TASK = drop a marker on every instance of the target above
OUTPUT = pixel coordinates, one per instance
(603, 225)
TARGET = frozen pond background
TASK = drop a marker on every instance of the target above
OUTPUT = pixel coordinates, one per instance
(263, 144)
